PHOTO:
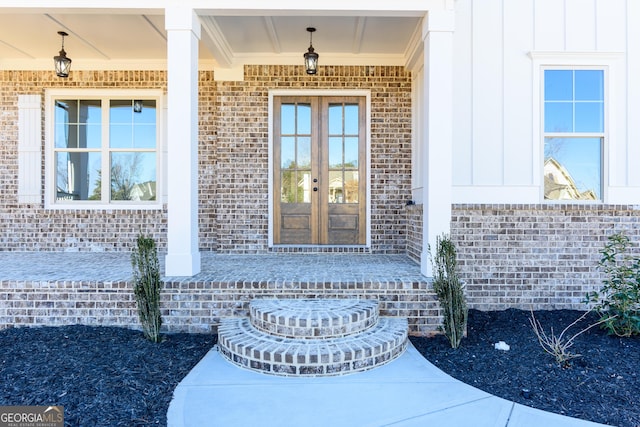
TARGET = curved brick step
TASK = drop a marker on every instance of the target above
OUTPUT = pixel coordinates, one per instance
(313, 318)
(250, 348)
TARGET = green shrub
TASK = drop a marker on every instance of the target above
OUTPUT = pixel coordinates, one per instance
(146, 286)
(618, 301)
(449, 289)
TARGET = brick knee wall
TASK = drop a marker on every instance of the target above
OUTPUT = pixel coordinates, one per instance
(543, 256)
(196, 307)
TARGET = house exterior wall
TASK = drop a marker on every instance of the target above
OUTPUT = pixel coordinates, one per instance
(499, 50)
(233, 161)
(535, 256)
(242, 150)
(30, 227)
(516, 249)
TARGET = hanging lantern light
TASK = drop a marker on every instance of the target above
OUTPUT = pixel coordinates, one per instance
(310, 56)
(61, 62)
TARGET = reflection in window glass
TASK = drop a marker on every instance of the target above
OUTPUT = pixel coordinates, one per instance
(335, 119)
(574, 134)
(288, 119)
(591, 117)
(574, 101)
(572, 168)
(351, 186)
(558, 117)
(78, 175)
(351, 119)
(304, 152)
(85, 164)
(558, 85)
(288, 153)
(77, 124)
(335, 153)
(295, 153)
(589, 85)
(133, 176)
(295, 186)
(145, 113)
(343, 153)
(304, 119)
(336, 187)
(288, 185)
(132, 124)
(351, 152)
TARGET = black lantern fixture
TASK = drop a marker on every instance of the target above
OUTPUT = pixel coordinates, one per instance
(310, 56)
(62, 63)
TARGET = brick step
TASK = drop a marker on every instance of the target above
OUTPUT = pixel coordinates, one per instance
(244, 345)
(313, 318)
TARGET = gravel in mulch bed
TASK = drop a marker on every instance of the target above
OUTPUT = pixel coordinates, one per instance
(103, 376)
(602, 386)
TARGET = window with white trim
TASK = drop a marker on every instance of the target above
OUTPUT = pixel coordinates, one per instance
(103, 150)
(574, 133)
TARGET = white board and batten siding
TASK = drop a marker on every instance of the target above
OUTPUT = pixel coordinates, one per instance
(500, 48)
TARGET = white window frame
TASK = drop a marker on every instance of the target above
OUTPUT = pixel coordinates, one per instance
(571, 135)
(105, 95)
(613, 66)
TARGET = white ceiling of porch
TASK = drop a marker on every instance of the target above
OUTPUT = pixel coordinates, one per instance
(30, 40)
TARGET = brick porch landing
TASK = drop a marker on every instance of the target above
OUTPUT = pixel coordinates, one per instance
(56, 288)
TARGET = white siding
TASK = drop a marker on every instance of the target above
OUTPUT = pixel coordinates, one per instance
(500, 47)
(549, 25)
(611, 25)
(487, 92)
(462, 87)
(633, 93)
(580, 25)
(518, 103)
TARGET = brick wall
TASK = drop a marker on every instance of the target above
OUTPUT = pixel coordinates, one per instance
(233, 160)
(194, 306)
(414, 232)
(29, 227)
(542, 256)
(242, 147)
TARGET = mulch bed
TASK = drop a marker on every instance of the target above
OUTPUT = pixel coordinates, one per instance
(602, 386)
(103, 376)
(106, 376)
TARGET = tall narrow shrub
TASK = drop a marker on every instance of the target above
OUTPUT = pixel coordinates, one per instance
(449, 289)
(147, 285)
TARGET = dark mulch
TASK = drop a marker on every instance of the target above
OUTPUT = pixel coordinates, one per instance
(103, 376)
(602, 386)
(114, 377)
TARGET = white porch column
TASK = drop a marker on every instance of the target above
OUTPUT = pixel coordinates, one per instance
(183, 33)
(437, 141)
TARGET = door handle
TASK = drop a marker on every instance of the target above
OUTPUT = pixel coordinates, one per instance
(315, 179)
(315, 188)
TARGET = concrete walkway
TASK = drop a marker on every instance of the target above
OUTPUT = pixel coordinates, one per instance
(407, 392)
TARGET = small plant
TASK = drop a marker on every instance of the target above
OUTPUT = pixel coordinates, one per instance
(618, 301)
(558, 345)
(449, 289)
(146, 286)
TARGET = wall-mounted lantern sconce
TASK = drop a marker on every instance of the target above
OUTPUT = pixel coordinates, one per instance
(310, 56)
(62, 63)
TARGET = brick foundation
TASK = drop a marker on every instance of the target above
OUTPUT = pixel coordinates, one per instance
(543, 256)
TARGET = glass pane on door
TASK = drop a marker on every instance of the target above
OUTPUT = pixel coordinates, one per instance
(295, 153)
